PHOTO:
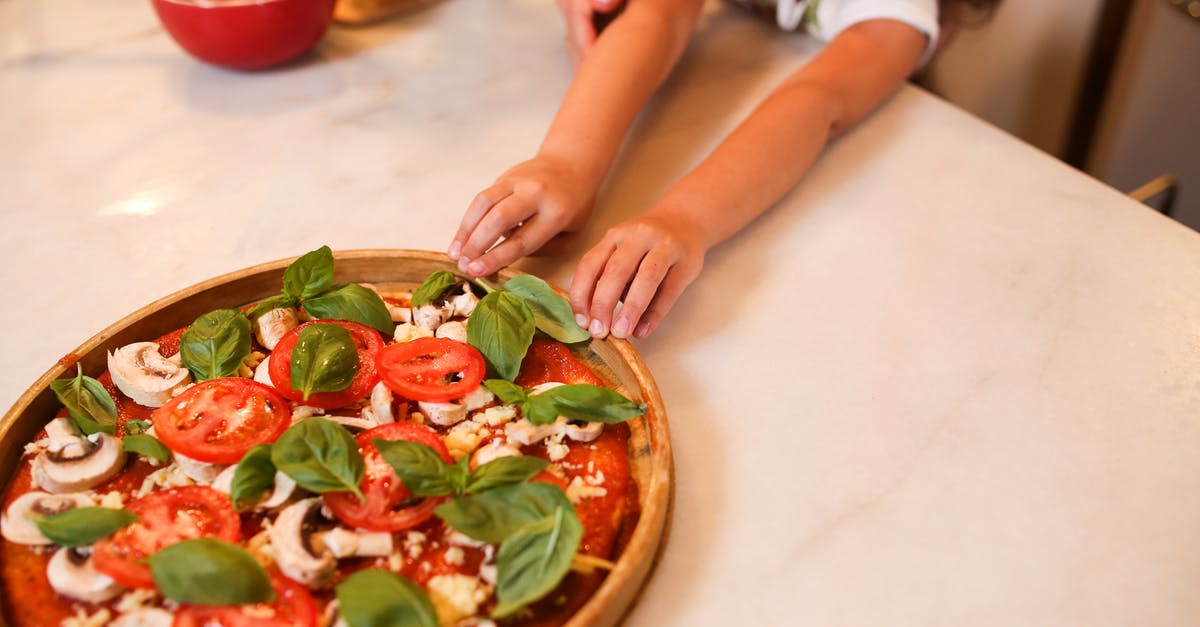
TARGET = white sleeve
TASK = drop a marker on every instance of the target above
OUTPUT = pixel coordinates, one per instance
(834, 16)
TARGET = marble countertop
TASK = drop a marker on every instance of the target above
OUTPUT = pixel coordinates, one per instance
(947, 381)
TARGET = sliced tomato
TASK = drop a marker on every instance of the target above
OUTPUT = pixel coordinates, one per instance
(217, 421)
(164, 518)
(389, 506)
(432, 369)
(293, 606)
(368, 341)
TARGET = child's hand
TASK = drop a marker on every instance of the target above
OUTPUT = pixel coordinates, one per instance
(527, 206)
(581, 26)
(648, 260)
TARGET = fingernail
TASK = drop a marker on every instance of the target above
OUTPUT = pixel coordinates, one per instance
(581, 320)
(621, 328)
(455, 249)
(597, 329)
(462, 264)
(476, 268)
(642, 330)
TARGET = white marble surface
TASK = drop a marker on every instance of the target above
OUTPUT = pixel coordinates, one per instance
(949, 381)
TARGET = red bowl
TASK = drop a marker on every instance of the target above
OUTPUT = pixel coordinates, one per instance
(245, 34)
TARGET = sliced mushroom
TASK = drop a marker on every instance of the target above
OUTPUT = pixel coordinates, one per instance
(463, 304)
(494, 450)
(432, 315)
(526, 432)
(223, 482)
(406, 332)
(298, 556)
(72, 574)
(16, 525)
(80, 464)
(144, 375)
(354, 423)
(284, 487)
(145, 617)
(262, 372)
(346, 543)
(381, 405)
(444, 414)
(452, 330)
(270, 327)
(399, 313)
(203, 473)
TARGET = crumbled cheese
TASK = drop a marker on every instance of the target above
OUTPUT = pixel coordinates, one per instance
(477, 398)
(113, 500)
(555, 449)
(406, 332)
(456, 597)
(463, 439)
(395, 562)
(578, 490)
(414, 543)
(557, 471)
(83, 619)
(136, 599)
(596, 479)
(416, 418)
(37, 446)
(496, 415)
(171, 476)
(260, 546)
(494, 450)
(458, 538)
(455, 556)
(306, 411)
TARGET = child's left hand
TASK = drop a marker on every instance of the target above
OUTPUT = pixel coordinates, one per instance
(646, 262)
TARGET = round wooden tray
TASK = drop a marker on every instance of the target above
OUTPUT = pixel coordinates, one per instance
(613, 360)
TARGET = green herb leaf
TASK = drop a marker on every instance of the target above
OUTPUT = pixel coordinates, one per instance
(378, 598)
(501, 328)
(310, 275)
(321, 456)
(504, 471)
(419, 467)
(89, 404)
(434, 286)
(82, 526)
(551, 312)
(590, 403)
(539, 409)
(134, 427)
(253, 477)
(205, 571)
(274, 302)
(146, 445)
(216, 344)
(355, 303)
(532, 561)
(325, 359)
(496, 514)
(506, 391)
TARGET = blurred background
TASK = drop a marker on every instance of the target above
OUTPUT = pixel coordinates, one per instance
(1110, 86)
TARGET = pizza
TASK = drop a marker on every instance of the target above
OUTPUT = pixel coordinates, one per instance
(335, 454)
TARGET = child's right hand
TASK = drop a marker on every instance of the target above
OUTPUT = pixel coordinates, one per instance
(527, 206)
(581, 29)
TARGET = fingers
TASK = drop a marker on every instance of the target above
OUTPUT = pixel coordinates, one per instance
(584, 281)
(475, 211)
(518, 243)
(650, 275)
(669, 292)
(504, 216)
(618, 272)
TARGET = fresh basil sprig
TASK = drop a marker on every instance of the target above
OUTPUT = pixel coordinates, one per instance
(425, 474)
(82, 526)
(325, 359)
(502, 328)
(532, 561)
(146, 445)
(434, 286)
(321, 456)
(579, 401)
(205, 571)
(494, 515)
(216, 344)
(355, 303)
(134, 427)
(89, 404)
(253, 476)
(310, 275)
(308, 282)
(379, 598)
(552, 313)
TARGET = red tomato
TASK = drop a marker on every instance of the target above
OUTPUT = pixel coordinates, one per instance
(389, 506)
(368, 340)
(293, 606)
(217, 421)
(165, 518)
(246, 35)
(432, 369)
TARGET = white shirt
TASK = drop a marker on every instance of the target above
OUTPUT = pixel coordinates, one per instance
(829, 17)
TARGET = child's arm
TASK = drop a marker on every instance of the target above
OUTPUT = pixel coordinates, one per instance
(553, 192)
(656, 255)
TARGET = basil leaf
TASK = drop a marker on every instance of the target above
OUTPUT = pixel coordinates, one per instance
(216, 344)
(205, 571)
(88, 403)
(501, 328)
(539, 409)
(355, 303)
(325, 359)
(254, 475)
(310, 275)
(496, 514)
(82, 526)
(274, 302)
(551, 312)
(504, 471)
(506, 391)
(146, 445)
(378, 598)
(532, 561)
(321, 456)
(418, 466)
(134, 427)
(591, 403)
(434, 286)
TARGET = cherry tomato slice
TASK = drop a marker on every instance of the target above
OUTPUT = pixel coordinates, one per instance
(293, 606)
(431, 369)
(217, 421)
(389, 505)
(165, 518)
(369, 342)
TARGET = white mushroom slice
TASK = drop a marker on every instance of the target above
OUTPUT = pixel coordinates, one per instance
(345, 543)
(452, 330)
(310, 563)
(542, 387)
(585, 432)
(144, 375)
(406, 332)
(262, 372)
(203, 473)
(493, 450)
(526, 432)
(477, 398)
(270, 327)
(16, 524)
(79, 465)
(72, 574)
(145, 617)
(381, 404)
(431, 316)
(61, 432)
(285, 486)
(223, 482)
(444, 414)
(464, 304)
(399, 313)
(356, 423)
